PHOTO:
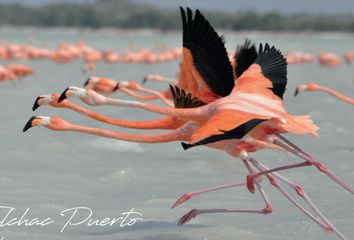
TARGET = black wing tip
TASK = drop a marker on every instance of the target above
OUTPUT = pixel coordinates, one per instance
(208, 52)
(182, 99)
(28, 125)
(63, 95)
(244, 57)
(274, 67)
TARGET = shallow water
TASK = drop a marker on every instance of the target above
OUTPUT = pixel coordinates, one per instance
(49, 171)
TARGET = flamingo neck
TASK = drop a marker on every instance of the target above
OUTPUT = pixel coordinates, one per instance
(149, 138)
(196, 114)
(336, 94)
(162, 123)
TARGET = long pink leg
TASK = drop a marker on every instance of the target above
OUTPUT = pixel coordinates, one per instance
(328, 226)
(250, 177)
(195, 212)
(189, 195)
(298, 152)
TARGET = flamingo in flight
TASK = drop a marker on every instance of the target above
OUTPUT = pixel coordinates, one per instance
(249, 112)
(309, 87)
(108, 85)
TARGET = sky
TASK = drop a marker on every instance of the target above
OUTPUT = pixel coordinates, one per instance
(282, 6)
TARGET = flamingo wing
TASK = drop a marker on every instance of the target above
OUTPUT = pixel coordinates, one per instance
(206, 71)
(181, 99)
(236, 133)
(244, 57)
(223, 122)
(267, 76)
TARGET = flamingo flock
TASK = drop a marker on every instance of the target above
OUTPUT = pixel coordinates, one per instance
(234, 106)
(15, 71)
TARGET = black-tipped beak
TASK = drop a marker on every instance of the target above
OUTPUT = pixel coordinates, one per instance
(116, 87)
(87, 81)
(28, 124)
(63, 96)
(296, 92)
(186, 145)
(36, 104)
(145, 80)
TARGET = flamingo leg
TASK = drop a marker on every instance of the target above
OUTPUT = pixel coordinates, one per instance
(250, 177)
(185, 197)
(268, 208)
(328, 226)
(298, 152)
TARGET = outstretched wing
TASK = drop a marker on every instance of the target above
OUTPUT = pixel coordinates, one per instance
(206, 71)
(236, 133)
(267, 76)
(244, 57)
(223, 122)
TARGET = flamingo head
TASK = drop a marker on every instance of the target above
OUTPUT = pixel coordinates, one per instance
(37, 121)
(101, 84)
(305, 87)
(51, 100)
(51, 122)
(88, 96)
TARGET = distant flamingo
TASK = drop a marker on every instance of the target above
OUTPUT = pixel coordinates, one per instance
(294, 57)
(314, 87)
(7, 74)
(159, 78)
(108, 85)
(349, 57)
(328, 59)
(20, 70)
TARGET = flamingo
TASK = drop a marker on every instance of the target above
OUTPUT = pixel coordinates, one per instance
(108, 85)
(349, 57)
(20, 70)
(328, 59)
(314, 87)
(241, 101)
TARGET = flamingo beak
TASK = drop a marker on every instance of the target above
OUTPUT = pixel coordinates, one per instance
(29, 123)
(87, 82)
(37, 121)
(300, 89)
(36, 103)
(63, 96)
(116, 87)
(145, 80)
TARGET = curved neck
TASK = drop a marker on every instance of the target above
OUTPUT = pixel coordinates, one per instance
(336, 94)
(162, 123)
